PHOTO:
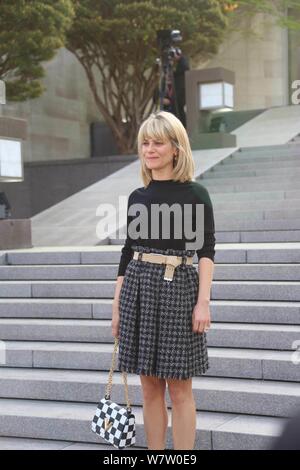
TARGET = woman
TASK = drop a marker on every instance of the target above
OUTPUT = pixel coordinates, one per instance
(161, 311)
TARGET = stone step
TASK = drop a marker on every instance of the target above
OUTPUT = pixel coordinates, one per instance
(255, 172)
(72, 422)
(55, 308)
(235, 164)
(260, 159)
(19, 443)
(290, 145)
(256, 290)
(257, 336)
(263, 236)
(268, 151)
(254, 186)
(221, 310)
(256, 205)
(254, 364)
(279, 195)
(224, 362)
(229, 252)
(223, 223)
(238, 335)
(225, 395)
(64, 255)
(216, 179)
(240, 271)
(224, 290)
(255, 215)
(59, 272)
(259, 236)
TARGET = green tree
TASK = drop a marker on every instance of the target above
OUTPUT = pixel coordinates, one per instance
(285, 12)
(30, 33)
(115, 41)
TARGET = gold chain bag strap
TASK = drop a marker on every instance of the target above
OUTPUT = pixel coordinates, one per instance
(114, 423)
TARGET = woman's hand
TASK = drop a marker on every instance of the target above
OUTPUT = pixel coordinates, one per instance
(201, 316)
(115, 323)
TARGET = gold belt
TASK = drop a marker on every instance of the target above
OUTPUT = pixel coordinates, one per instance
(171, 261)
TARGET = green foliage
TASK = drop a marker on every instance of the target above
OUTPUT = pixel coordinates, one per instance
(30, 32)
(115, 41)
(285, 12)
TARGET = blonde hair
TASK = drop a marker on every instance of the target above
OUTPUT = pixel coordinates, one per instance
(165, 126)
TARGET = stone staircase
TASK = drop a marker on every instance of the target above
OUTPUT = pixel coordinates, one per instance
(55, 322)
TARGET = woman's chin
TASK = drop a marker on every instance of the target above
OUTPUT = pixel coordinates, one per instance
(152, 165)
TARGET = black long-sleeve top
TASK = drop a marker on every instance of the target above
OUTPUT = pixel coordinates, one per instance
(170, 192)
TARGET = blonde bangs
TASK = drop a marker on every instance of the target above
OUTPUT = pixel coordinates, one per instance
(154, 129)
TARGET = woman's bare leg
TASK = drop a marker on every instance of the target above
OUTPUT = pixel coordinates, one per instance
(154, 411)
(183, 413)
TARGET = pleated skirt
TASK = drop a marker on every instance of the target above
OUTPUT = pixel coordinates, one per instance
(156, 336)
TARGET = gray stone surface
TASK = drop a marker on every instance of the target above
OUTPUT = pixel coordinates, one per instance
(48, 420)
(211, 394)
(224, 362)
(258, 271)
(13, 443)
(56, 307)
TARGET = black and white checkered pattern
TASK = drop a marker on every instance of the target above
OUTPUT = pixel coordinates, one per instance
(122, 432)
(156, 334)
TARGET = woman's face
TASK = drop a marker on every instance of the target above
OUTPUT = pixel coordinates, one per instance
(157, 154)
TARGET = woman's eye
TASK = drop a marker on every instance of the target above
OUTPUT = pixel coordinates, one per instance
(155, 142)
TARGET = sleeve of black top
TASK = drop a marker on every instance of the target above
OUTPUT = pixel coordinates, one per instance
(208, 248)
(126, 252)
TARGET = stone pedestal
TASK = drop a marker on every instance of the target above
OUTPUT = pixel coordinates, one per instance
(15, 233)
(198, 120)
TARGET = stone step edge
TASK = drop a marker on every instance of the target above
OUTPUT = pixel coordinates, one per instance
(220, 384)
(34, 443)
(67, 411)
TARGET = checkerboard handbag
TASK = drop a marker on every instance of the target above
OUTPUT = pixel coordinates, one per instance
(113, 422)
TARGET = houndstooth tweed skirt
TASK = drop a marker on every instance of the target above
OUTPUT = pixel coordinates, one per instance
(156, 334)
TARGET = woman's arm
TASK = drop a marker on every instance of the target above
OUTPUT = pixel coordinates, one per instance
(206, 258)
(205, 271)
(115, 308)
(126, 252)
(126, 256)
(119, 283)
(201, 312)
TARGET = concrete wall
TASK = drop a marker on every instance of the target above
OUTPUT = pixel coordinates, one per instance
(260, 63)
(294, 54)
(47, 183)
(59, 120)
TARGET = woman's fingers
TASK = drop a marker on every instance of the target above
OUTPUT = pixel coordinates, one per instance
(201, 326)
